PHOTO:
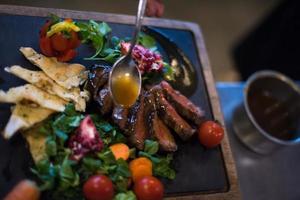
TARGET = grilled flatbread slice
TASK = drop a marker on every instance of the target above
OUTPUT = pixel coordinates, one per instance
(42, 81)
(23, 117)
(36, 142)
(33, 94)
(66, 75)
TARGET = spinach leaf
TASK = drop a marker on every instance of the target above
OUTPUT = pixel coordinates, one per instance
(68, 177)
(51, 148)
(147, 41)
(61, 135)
(46, 127)
(107, 156)
(108, 133)
(47, 172)
(151, 147)
(120, 175)
(163, 169)
(67, 123)
(104, 28)
(70, 110)
(91, 164)
(117, 170)
(161, 164)
(129, 195)
(94, 33)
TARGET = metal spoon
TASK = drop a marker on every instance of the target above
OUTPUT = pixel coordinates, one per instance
(125, 67)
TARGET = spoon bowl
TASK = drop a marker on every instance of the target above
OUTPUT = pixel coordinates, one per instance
(125, 82)
(125, 79)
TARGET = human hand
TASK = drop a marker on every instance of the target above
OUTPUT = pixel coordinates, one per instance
(155, 8)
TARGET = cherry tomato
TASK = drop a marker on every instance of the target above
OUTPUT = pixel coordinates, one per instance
(210, 134)
(67, 55)
(45, 46)
(98, 187)
(58, 45)
(74, 41)
(148, 188)
(45, 28)
(59, 42)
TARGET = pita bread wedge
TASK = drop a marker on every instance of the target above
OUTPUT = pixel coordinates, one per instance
(65, 74)
(44, 82)
(33, 94)
(36, 142)
(23, 117)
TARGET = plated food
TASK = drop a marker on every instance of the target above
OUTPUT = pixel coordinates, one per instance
(123, 147)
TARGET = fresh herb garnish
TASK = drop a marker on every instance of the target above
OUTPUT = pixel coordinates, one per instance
(94, 33)
(161, 164)
(125, 196)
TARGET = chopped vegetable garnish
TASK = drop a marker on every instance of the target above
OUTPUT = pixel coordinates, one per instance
(65, 25)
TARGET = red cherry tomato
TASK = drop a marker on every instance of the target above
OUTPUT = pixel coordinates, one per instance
(59, 42)
(74, 41)
(45, 46)
(45, 28)
(210, 134)
(67, 55)
(148, 188)
(98, 187)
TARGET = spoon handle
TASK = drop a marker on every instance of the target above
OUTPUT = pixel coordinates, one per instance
(138, 24)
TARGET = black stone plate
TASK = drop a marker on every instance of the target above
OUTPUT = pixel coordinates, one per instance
(198, 170)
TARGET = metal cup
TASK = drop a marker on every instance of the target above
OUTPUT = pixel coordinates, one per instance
(265, 126)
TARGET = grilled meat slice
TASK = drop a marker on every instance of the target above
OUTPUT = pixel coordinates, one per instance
(161, 133)
(136, 124)
(120, 117)
(157, 129)
(170, 117)
(182, 104)
(149, 104)
(104, 100)
(98, 77)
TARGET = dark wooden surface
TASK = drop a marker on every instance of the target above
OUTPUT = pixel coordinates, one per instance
(200, 61)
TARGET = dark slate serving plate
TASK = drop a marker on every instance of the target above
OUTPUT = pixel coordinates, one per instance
(198, 170)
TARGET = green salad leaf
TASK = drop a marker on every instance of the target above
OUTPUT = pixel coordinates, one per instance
(117, 170)
(129, 195)
(169, 73)
(151, 147)
(67, 176)
(109, 134)
(94, 33)
(147, 41)
(51, 148)
(161, 164)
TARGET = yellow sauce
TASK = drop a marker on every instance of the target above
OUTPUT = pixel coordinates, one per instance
(125, 89)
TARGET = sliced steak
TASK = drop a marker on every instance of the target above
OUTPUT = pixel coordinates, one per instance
(98, 77)
(160, 132)
(136, 124)
(170, 117)
(182, 104)
(149, 104)
(104, 100)
(120, 117)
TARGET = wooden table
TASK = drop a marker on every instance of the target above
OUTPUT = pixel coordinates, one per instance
(233, 191)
